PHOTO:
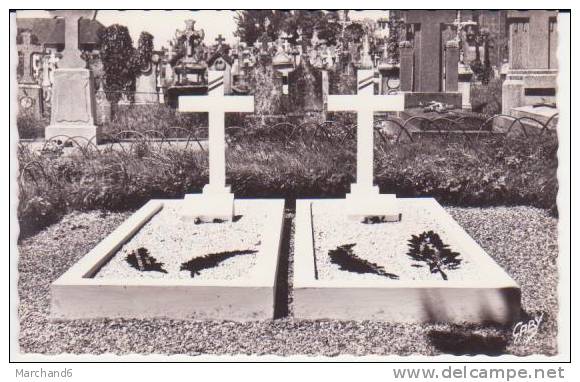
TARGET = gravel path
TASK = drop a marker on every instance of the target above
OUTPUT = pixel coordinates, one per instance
(521, 239)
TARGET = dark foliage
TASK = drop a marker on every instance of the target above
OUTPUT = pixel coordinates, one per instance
(197, 264)
(505, 171)
(144, 262)
(31, 126)
(347, 260)
(119, 64)
(486, 99)
(430, 249)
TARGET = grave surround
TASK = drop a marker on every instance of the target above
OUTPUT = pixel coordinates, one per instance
(496, 298)
(78, 295)
(493, 299)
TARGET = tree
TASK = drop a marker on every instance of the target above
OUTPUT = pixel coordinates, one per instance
(117, 56)
(144, 51)
(354, 33)
(328, 28)
(252, 24)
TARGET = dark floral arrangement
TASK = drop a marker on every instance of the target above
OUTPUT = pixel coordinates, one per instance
(197, 264)
(144, 262)
(348, 261)
(430, 249)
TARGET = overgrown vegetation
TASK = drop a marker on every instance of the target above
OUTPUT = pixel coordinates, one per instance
(486, 98)
(30, 126)
(160, 117)
(491, 171)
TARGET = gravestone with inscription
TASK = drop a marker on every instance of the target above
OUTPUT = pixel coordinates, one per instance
(73, 96)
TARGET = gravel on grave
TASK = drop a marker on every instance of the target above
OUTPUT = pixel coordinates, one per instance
(174, 241)
(384, 244)
(523, 240)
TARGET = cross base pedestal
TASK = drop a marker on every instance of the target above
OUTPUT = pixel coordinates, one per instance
(363, 203)
(213, 203)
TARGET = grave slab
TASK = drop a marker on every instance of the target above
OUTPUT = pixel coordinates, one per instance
(478, 291)
(95, 287)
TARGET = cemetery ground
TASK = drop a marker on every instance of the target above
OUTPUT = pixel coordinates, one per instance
(502, 191)
(522, 240)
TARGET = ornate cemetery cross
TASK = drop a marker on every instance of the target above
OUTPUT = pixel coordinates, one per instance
(364, 199)
(216, 201)
(27, 50)
(220, 40)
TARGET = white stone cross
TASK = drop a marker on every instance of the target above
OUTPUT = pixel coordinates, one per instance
(365, 199)
(216, 201)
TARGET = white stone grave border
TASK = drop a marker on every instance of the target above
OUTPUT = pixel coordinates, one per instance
(495, 299)
(76, 295)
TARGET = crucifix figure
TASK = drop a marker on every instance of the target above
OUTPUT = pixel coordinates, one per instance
(27, 50)
(216, 201)
(364, 199)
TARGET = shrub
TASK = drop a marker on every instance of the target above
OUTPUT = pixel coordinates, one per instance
(30, 126)
(494, 171)
(486, 99)
(160, 117)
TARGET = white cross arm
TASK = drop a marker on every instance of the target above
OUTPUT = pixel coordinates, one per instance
(362, 102)
(227, 104)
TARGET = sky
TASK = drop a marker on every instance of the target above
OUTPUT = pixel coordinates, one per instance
(162, 24)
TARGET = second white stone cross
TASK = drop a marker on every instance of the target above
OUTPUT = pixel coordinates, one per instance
(216, 201)
(364, 199)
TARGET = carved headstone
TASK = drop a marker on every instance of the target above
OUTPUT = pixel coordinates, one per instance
(73, 97)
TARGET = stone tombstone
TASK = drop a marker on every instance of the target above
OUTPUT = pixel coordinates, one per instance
(364, 199)
(429, 27)
(216, 200)
(325, 91)
(533, 71)
(406, 63)
(146, 86)
(451, 66)
(73, 96)
(30, 94)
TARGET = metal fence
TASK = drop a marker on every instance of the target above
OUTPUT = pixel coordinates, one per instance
(389, 130)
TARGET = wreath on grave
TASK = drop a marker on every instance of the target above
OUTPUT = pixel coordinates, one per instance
(430, 249)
